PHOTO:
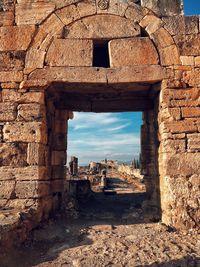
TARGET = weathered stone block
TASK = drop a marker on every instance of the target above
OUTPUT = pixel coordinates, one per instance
(16, 37)
(185, 164)
(173, 146)
(8, 111)
(177, 25)
(197, 61)
(103, 27)
(135, 12)
(190, 112)
(7, 189)
(162, 38)
(32, 13)
(132, 51)
(151, 23)
(72, 13)
(20, 97)
(188, 44)
(194, 141)
(187, 60)
(133, 74)
(25, 132)
(6, 18)
(51, 27)
(13, 154)
(24, 173)
(184, 103)
(37, 154)
(31, 112)
(12, 61)
(70, 74)
(170, 56)
(79, 53)
(164, 7)
(32, 189)
(11, 76)
(34, 59)
(186, 126)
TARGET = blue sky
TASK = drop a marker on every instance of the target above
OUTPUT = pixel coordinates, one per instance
(113, 135)
(94, 136)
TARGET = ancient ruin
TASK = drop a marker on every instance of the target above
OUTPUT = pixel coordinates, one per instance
(99, 56)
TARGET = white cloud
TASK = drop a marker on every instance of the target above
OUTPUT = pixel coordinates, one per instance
(96, 136)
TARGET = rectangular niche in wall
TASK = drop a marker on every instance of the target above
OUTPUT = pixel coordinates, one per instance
(101, 54)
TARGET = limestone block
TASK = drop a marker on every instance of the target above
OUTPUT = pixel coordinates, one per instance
(7, 111)
(7, 189)
(10, 85)
(11, 76)
(34, 59)
(13, 154)
(188, 44)
(115, 7)
(51, 27)
(37, 154)
(162, 38)
(25, 132)
(103, 27)
(194, 141)
(190, 112)
(132, 51)
(184, 103)
(186, 126)
(185, 164)
(151, 23)
(24, 173)
(79, 53)
(177, 25)
(133, 74)
(164, 7)
(70, 74)
(32, 189)
(32, 13)
(72, 13)
(170, 56)
(86, 8)
(19, 97)
(6, 18)
(186, 60)
(16, 37)
(175, 113)
(31, 112)
(58, 157)
(197, 61)
(12, 61)
(135, 12)
(173, 146)
(62, 3)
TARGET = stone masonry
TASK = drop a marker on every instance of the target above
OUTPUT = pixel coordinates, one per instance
(47, 70)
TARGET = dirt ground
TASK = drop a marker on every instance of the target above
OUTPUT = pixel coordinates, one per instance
(112, 230)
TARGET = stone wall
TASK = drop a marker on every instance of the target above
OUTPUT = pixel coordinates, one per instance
(46, 66)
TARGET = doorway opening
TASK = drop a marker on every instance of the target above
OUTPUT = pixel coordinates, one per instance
(93, 107)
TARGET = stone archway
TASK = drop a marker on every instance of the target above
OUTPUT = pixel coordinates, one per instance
(131, 30)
